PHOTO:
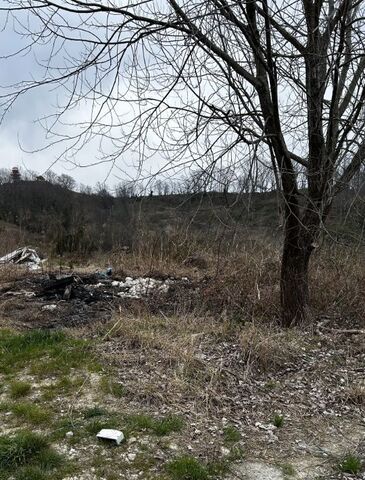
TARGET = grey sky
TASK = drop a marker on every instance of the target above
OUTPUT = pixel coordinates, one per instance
(22, 137)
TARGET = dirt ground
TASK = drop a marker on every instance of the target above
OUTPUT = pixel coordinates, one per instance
(244, 400)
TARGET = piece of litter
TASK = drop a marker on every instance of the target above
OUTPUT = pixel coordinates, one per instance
(23, 256)
(69, 434)
(111, 434)
(49, 307)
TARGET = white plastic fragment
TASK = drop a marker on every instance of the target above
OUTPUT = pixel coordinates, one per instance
(111, 434)
(50, 307)
(23, 256)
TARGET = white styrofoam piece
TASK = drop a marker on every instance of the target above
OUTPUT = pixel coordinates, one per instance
(111, 434)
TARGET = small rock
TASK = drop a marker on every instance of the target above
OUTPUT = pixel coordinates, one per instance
(225, 451)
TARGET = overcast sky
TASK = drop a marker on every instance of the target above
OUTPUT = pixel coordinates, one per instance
(22, 137)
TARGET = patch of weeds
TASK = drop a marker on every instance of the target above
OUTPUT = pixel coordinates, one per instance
(287, 469)
(47, 351)
(159, 427)
(111, 387)
(30, 473)
(95, 412)
(237, 453)
(218, 468)
(272, 384)
(49, 459)
(31, 413)
(187, 468)
(28, 456)
(61, 427)
(231, 434)
(167, 425)
(4, 406)
(19, 389)
(20, 449)
(351, 463)
(62, 387)
(278, 420)
(144, 462)
(137, 423)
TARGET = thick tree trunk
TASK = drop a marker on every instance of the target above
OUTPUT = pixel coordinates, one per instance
(294, 284)
(301, 233)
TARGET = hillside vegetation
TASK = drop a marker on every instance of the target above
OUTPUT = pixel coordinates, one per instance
(66, 222)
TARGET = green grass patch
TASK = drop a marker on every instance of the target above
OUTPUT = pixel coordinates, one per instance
(160, 427)
(95, 425)
(61, 426)
(29, 456)
(351, 463)
(5, 406)
(45, 351)
(111, 387)
(231, 434)
(95, 412)
(30, 473)
(187, 468)
(20, 449)
(278, 420)
(31, 412)
(64, 386)
(19, 389)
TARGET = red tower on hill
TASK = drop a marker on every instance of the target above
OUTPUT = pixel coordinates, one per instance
(15, 175)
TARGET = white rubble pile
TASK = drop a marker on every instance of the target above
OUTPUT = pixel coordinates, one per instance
(23, 256)
(141, 286)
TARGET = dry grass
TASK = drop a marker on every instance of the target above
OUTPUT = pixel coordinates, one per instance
(355, 394)
(268, 348)
(242, 277)
(338, 282)
(198, 355)
(177, 339)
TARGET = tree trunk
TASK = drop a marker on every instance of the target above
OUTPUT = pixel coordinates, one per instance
(294, 277)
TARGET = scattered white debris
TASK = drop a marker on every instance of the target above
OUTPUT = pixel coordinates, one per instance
(141, 286)
(225, 451)
(111, 434)
(25, 293)
(23, 256)
(50, 307)
(270, 427)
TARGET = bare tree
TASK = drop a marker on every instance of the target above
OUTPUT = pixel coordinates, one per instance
(4, 175)
(51, 176)
(216, 82)
(66, 181)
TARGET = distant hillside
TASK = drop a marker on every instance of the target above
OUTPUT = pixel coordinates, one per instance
(78, 222)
